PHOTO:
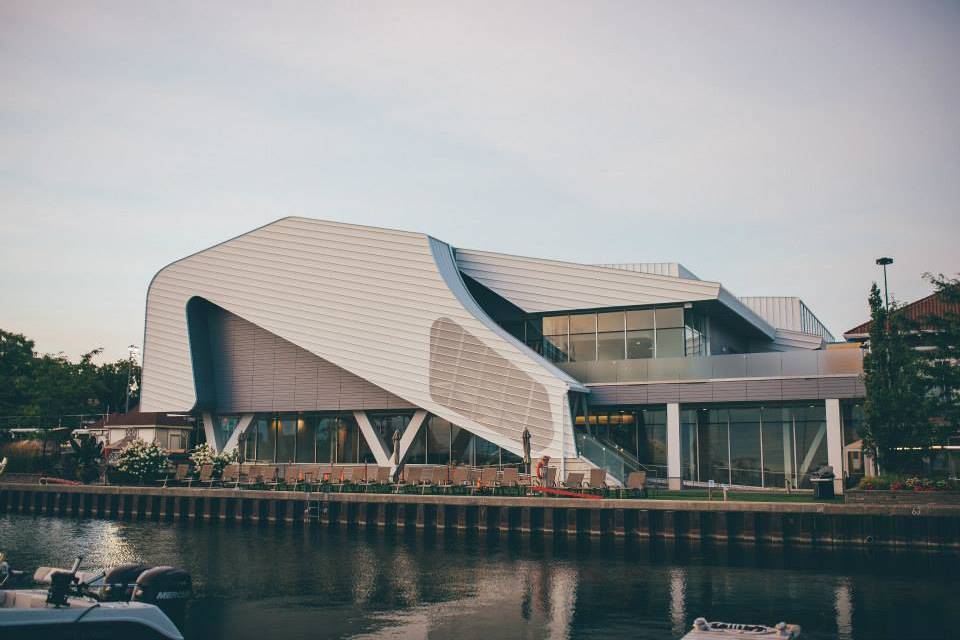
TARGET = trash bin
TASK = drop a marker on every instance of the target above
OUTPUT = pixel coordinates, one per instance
(822, 480)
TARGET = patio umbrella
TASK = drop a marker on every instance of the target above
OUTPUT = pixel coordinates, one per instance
(396, 448)
(526, 448)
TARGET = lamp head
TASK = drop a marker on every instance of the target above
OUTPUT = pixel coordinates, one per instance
(884, 261)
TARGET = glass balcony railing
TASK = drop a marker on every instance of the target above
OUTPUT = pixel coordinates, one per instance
(748, 365)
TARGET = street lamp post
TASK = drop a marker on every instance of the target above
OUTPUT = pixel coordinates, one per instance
(883, 262)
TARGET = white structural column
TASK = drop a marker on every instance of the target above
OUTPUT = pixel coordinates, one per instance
(674, 474)
(241, 427)
(409, 434)
(835, 443)
(374, 441)
(208, 429)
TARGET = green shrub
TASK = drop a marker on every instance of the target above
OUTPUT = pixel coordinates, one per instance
(142, 461)
(24, 456)
(908, 483)
(204, 454)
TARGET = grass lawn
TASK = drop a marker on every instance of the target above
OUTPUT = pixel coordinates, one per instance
(737, 496)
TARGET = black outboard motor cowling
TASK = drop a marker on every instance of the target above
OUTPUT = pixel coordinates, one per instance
(119, 582)
(167, 587)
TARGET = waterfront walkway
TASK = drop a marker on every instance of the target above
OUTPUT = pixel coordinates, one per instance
(915, 525)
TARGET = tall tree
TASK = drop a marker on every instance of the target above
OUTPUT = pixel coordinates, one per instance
(895, 430)
(940, 359)
(16, 360)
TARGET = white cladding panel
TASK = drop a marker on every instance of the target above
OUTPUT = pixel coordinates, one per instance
(365, 299)
(674, 269)
(787, 312)
(539, 286)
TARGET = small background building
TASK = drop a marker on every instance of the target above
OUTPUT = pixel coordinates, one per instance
(170, 431)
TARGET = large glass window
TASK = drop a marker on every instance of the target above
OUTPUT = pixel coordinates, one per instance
(640, 319)
(386, 424)
(640, 344)
(325, 440)
(610, 339)
(637, 434)
(286, 438)
(583, 337)
(441, 442)
(265, 437)
(225, 426)
(669, 343)
(773, 446)
(306, 435)
(438, 440)
(556, 329)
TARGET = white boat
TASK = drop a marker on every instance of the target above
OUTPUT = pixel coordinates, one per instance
(27, 614)
(67, 611)
(704, 630)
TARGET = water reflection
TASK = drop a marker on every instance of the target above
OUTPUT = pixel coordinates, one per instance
(260, 582)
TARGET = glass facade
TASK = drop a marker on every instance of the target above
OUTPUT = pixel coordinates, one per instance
(638, 434)
(387, 423)
(440, 442)
(663, 332)
(311, 437)
(773, 445)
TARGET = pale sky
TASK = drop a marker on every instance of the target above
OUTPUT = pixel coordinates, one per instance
(776, 147)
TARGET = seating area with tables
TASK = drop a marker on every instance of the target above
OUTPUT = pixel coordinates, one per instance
(408, 479)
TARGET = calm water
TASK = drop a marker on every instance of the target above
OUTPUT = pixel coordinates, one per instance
(263, 582)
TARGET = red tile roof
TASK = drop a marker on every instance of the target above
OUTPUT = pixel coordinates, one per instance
(932, 305)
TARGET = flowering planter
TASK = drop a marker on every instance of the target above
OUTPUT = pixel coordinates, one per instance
(885, 496)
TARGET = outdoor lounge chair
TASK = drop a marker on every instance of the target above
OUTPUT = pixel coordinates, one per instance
(442, 478)
(549, 477)
(487, 479)
(230, 475)
(412, 476)
(597, 480)
(269, 476)
(292, 477)
(574, 480)
(383, 477)
(179, 475)
(460, 478)
(636, 484)
(205, 475)
(510, 479)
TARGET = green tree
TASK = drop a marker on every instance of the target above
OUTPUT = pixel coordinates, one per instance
(895, 430)
(16, 360)
(940, 359)
(113, 378)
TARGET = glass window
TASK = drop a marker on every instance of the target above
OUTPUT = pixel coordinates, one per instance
(669, 317)
(306, 434)
(652, 437)
(286, 438)
(508, 458)
(669, 343)
(225, 427)
(610, 321)
(696, 335)
(610, 346)
(641, 319)
(324, 440)
(689, 454)
(266, 437)
(386, 424)
(745, 446)
(583, 347)
(347, 439)
(583, 323)
(777, 447)
(555, 348)
(556, 325)
(486, 454)
(640, 344)
(438, 441)
(460, 445)
(417, 453)
(810, 426)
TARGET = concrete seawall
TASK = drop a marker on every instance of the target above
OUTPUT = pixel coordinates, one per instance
(919, 525)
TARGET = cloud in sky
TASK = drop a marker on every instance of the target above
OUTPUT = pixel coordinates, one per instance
(777, 147)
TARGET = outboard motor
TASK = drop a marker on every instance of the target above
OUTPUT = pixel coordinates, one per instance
(61, 583)
(167, 587)
(119, 582)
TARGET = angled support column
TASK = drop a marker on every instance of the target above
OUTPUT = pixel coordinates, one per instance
(374, 441)
(408, 435)
(209, 429)
(674, 474)
(241, 427)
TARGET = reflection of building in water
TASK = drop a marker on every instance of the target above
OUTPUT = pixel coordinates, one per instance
(678, 595)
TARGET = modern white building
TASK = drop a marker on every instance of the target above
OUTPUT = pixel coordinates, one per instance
(319, 340)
